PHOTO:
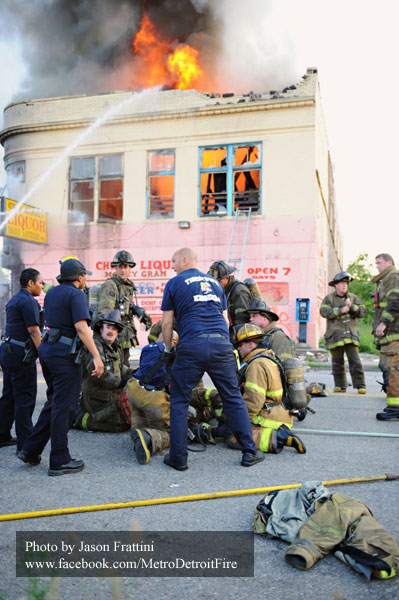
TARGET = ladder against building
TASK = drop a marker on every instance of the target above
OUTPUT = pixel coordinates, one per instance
(238, 240)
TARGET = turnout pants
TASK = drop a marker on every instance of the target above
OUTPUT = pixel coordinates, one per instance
(391, 352)
(355, 366)
(213, 355)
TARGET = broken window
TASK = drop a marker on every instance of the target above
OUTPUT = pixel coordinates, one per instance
(96, 188)
(229, 179)
(161, 184)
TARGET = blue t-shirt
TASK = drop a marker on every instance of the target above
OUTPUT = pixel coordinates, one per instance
(22, 312)
(65, 305)
(198, 302)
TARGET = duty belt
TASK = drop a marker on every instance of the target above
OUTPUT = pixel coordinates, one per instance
(12, 341)
(65, 340)
(211, 335)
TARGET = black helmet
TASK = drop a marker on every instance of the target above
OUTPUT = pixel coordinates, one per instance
(258, 306)
(316, 389)
(123, 257)
(70, 269)
(219, 270)
(343, 276)
(249, 333)
(112, 318)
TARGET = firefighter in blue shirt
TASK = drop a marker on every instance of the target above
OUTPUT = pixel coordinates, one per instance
(198, 303)
(66, 321)
(18, 356)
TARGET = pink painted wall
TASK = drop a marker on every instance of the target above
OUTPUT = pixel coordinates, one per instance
(280, 256)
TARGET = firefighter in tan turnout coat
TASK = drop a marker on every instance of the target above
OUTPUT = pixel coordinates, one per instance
(386, 329)
(263, 393)
(342, 309)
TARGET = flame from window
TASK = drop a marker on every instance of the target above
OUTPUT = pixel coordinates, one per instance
(160, 63)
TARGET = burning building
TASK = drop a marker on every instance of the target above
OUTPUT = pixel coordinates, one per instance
(150, 171)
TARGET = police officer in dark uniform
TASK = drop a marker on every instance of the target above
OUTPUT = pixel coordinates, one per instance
(18, 356)
(66, 314)
(199, 304)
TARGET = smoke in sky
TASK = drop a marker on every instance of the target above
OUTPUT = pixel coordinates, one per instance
(85, 46)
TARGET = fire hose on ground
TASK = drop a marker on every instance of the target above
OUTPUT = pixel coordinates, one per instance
(351, 433)
(191, 498)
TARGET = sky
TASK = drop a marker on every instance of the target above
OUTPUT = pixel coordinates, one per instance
(355, 46)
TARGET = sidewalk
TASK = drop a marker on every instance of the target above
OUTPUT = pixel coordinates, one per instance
(321, 359)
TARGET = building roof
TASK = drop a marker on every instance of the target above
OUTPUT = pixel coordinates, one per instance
(70, 111)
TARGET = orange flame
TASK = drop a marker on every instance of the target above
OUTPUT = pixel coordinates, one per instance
(159, 64)
(184, 64)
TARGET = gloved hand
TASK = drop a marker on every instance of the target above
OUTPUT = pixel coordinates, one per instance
(147, 321)
(124, 380)
(142, 316)
(169, 355)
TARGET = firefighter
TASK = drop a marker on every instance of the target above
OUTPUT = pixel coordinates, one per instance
(386, 329)
(274, 337)
(117, 293)
(237, 293)
(342, 309)
(99, 409)
(263, 392)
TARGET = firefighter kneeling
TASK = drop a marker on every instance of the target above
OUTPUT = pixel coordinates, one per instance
(263, 393)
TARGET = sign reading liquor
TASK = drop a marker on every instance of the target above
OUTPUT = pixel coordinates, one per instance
(29, 223)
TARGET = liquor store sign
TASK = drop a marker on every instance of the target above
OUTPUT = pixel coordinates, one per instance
(29, 223)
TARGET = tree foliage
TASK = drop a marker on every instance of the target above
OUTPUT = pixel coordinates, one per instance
(361, 271)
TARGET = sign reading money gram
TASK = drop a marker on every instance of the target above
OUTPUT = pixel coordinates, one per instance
(29, 223)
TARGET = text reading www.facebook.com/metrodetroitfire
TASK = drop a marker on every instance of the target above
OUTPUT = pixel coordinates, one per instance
(134, 554)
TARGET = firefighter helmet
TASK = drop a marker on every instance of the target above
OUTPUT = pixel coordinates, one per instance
(70, 270)
(316, 389)
(343, 276)
(259, 306)
(112, 318)
(249, 333)
(219, 270)
(67, 257)
(123, 257)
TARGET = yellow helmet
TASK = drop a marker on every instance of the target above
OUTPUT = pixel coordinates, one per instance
(67, 257)
(249, 332)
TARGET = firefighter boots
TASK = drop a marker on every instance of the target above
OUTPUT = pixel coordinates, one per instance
(142, 443)
(389, 414)
(286, 438)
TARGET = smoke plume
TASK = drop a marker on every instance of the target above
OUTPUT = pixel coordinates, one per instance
(85, 46)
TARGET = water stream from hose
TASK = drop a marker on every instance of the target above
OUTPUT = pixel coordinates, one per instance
(135, 97)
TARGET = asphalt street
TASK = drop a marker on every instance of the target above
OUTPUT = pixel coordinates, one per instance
(112, 475)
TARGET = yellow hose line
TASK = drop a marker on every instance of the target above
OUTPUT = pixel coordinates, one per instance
(208, 496)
